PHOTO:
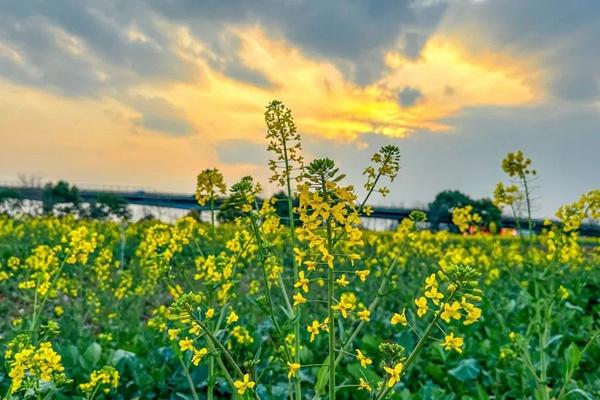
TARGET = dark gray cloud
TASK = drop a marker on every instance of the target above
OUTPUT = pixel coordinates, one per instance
(409, 96)
(85, 48)
(353, 34)
(159, 115)
(241, 151)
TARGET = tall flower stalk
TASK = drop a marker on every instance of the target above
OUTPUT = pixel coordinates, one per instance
(330, 226)
(284, 142)
(517, 166)
(209, 185)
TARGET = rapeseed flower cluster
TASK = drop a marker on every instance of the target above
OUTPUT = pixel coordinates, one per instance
(106, 379)
(34, 363)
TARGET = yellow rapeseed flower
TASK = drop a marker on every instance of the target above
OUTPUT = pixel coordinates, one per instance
(364, 360)
(394, 374)
(292, 369)
(364, 385)
(232, 317)
(453, 343)
(302, 282)
(421, 303)
(244, 384)
(186, 344)
(313, 329)
(199, 355)
(450, 311)
(399, 318)
(298, 299)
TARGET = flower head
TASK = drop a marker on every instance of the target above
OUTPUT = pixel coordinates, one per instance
(244, 384)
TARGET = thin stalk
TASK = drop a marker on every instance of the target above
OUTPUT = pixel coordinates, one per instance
(380, 293)
(264, 272)
(291, 223)
(541, 322)
(330, 299)
(517, 221)
(186, 372)
(362, 205)
(261, 251)
(216, 342)
(36, 315)
(212, 215)
(211, 379)
(211, 367)
(415, 351)
(528, 200)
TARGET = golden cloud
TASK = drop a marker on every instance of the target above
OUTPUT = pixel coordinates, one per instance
(326, 103)
(75, 135)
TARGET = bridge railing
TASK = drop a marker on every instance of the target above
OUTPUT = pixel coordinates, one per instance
(142, 196)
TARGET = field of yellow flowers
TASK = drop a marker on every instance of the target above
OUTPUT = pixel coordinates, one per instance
(303, 306)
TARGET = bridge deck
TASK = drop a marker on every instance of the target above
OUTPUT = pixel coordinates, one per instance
(188, 202)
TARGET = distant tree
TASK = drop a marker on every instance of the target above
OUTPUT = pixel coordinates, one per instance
(489, 212)
(10, 200)
(107, 206)
(440, 210)
(228, 211)
(61, 199)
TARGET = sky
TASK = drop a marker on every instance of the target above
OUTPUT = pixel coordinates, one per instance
(149, 93)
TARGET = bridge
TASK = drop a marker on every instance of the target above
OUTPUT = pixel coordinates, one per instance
(145, 197)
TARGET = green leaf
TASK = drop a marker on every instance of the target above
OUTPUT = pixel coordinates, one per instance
(91, 356)
(119, 355)
(552, 340)
(580, 392)
(322, 378)
(435, 371)
(466, 370)
(572, 359)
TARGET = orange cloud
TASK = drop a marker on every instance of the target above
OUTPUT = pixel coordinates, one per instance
(98, 140)
(326, 103)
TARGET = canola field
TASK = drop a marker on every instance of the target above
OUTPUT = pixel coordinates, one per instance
(306, 305)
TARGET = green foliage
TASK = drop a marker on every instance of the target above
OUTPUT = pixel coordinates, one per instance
(61, 199)
(440, 210)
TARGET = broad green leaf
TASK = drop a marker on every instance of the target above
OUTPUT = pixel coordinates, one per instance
(468, 369)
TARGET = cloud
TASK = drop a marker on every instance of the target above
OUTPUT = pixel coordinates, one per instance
(86, 49)
(563, 37)
(232, 59)
(409, 96)
(158, 115)
(242, 152)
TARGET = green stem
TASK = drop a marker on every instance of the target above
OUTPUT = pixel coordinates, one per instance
(330, 300)
(291, 223)
(217, 343)
(380, 293)
(262, 251)
(212, 215)
(186, 372)
(362, 205)
(541, 322)
(517, 221)
(415, 351)
(529, 220)
(36, 314)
